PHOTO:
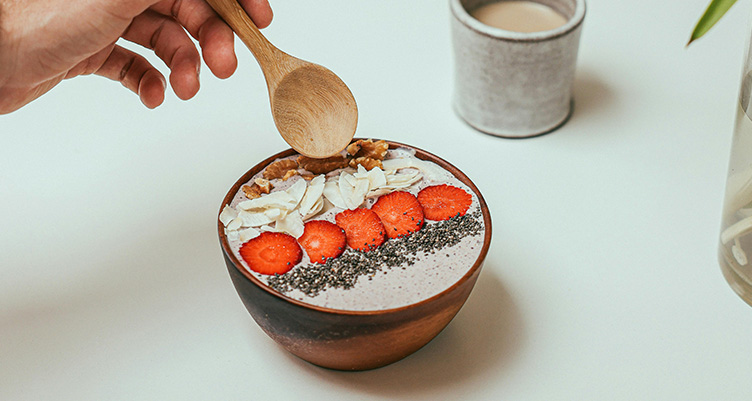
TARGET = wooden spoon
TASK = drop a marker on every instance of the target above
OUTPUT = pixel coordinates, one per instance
(314, 111)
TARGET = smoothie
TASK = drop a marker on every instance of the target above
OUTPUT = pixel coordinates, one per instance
(412, 263)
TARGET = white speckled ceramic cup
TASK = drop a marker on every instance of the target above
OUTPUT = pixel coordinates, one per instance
(513, 84)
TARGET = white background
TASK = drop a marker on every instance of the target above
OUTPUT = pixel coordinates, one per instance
(601, 282)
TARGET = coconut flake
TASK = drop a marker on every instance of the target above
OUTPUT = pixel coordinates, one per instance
(376, 178)
(280, 199)
(235, 224)
(404, 180)
(291, 224)
(274, 214)
(266, 228)
(353, 190)
(361, 172)
(431, 170)
(312, 195)
(232, 235)
(333, 195)
(349, 178)
(379, 192)
(297, 190)
(317, 207)
(247, 234)
(254, 219)
(358, 194)
(400, 163)
(327, 206)
(227, 215)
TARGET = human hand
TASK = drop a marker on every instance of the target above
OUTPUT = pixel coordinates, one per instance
(43, 42)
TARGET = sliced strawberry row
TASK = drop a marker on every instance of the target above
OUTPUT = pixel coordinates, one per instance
(394, 215)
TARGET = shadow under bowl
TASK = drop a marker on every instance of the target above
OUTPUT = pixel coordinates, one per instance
(351, 340)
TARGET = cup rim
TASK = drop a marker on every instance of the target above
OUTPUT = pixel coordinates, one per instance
(421, 154)
(461, 14)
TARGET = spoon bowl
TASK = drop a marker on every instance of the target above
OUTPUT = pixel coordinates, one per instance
(314, 111)
(311, 104)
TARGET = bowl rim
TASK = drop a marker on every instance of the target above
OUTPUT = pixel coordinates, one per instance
(419, 153)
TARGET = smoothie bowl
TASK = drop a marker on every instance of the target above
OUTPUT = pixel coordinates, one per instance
(356, 261)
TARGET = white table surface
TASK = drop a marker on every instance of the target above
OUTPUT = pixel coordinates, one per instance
(601, 282)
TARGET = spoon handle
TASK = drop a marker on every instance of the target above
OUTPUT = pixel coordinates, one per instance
(268, 56)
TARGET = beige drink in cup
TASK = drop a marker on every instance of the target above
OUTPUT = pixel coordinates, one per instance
(519, 16)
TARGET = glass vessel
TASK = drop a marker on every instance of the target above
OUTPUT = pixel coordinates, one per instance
(735, 248)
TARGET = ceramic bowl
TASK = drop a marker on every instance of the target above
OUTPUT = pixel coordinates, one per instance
(350, 340)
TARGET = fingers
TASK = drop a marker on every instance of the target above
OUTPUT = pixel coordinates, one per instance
(136, 74)
(216, 41)
(259, 11)
(171, 44)
(194, 13)
(160, 28)
(214, 36)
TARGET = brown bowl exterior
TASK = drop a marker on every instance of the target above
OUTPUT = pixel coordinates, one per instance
(351, 340)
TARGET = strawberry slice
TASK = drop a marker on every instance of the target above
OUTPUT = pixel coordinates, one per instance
(322, 240)
(442, 202)
(363, 228)
(271, 253)
(400, 213)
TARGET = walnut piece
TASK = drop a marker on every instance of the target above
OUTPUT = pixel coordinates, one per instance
(353, 148)
(264, 185)
(367, 162)
(322, 166)
(368, 148)
(289, 174)
(279, 168)
(259, 186)
(251, 192)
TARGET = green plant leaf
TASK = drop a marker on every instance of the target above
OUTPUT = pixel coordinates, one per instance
(715, 11)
